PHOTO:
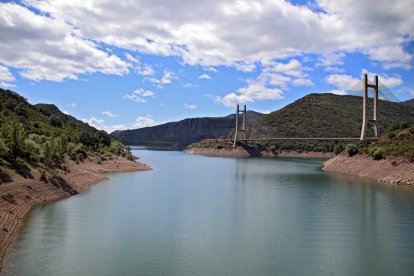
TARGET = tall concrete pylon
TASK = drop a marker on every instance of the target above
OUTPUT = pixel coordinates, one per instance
(243, 129)
(365, 120)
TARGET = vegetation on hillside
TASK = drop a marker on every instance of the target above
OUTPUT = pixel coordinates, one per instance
(42, 137)
(398, 141)
(318, 115)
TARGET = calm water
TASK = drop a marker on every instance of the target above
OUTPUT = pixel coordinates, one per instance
(195, 215)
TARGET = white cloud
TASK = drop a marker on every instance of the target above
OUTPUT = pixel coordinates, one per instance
(302, 82)
(338, 92)
(331, 59)
(166, 78)
(342, 81)
(386, 80)
(244, 66)
(255, 90)
(204, 76)
(93, 121)
(6, 84)
(279, 28)
(210, 69)
(100, 124)
(292, 68)
(140, 95)
(274, 77)
(190, 106)
(144, 121)
(48, 48)
(5, 74)
(6, 77)
(112, 128)
(109, 114)
(72, 105)
(131, 58)
(144, 70)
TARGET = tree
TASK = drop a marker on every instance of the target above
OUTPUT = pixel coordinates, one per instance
(14, 135)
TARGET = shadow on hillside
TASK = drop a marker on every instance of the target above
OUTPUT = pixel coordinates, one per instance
(61, 183)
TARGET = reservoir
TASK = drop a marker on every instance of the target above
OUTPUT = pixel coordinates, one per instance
(197, 215)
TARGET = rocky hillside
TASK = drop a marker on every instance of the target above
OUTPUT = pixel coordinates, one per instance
(177, 135)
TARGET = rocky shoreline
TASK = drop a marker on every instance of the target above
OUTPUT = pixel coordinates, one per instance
(28, 193)
(393, 170)
(242, 152)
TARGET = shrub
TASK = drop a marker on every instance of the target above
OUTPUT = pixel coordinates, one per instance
(4, 150)
(377, 153)
(338, 149)
(14, 135)
(32, 149)
(9, 196)
(351, 149)
(43, 176)
(4, 177)
(272, 148)
(56, 121)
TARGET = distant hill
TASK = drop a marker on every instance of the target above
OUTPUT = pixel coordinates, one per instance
(409, 102)
(327, 115)
(177, 135)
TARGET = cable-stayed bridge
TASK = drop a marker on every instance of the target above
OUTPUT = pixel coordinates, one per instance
(369, 91)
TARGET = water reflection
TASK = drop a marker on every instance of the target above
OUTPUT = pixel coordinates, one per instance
(195, 215)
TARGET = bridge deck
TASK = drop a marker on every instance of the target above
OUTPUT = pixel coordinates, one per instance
(303, 139)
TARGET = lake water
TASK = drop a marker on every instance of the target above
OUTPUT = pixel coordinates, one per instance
(196, 215)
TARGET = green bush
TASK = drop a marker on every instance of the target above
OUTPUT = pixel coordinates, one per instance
(32, 149)
(56, 121)
(4, 150)
(338, 149)
(377, 153)
(14, 135)
(351, 149)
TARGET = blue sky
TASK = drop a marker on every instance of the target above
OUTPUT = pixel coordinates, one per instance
(141, 63)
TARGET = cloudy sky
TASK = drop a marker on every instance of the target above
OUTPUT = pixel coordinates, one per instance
(134, 63)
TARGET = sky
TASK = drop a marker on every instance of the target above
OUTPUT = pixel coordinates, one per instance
(125, 64)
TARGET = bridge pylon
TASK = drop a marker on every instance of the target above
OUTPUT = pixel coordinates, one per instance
(365, 120)
(243, 128)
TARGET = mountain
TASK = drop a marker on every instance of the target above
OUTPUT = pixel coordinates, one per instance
(177, 135)
(327, 115)
(409, 102)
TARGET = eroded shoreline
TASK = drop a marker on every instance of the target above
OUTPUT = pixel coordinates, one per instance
(392, 170)
(242, 152)
(29, 193)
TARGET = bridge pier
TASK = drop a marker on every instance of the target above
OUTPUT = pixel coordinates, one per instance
(243, 129)
(365, 120)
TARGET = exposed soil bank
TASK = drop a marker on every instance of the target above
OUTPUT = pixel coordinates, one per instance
(391, 170)
(28, 193)
(242, 152)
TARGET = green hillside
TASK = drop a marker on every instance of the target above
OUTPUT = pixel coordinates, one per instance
(327, 115)
(398, 141)
(318, 115)
(41, 136)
